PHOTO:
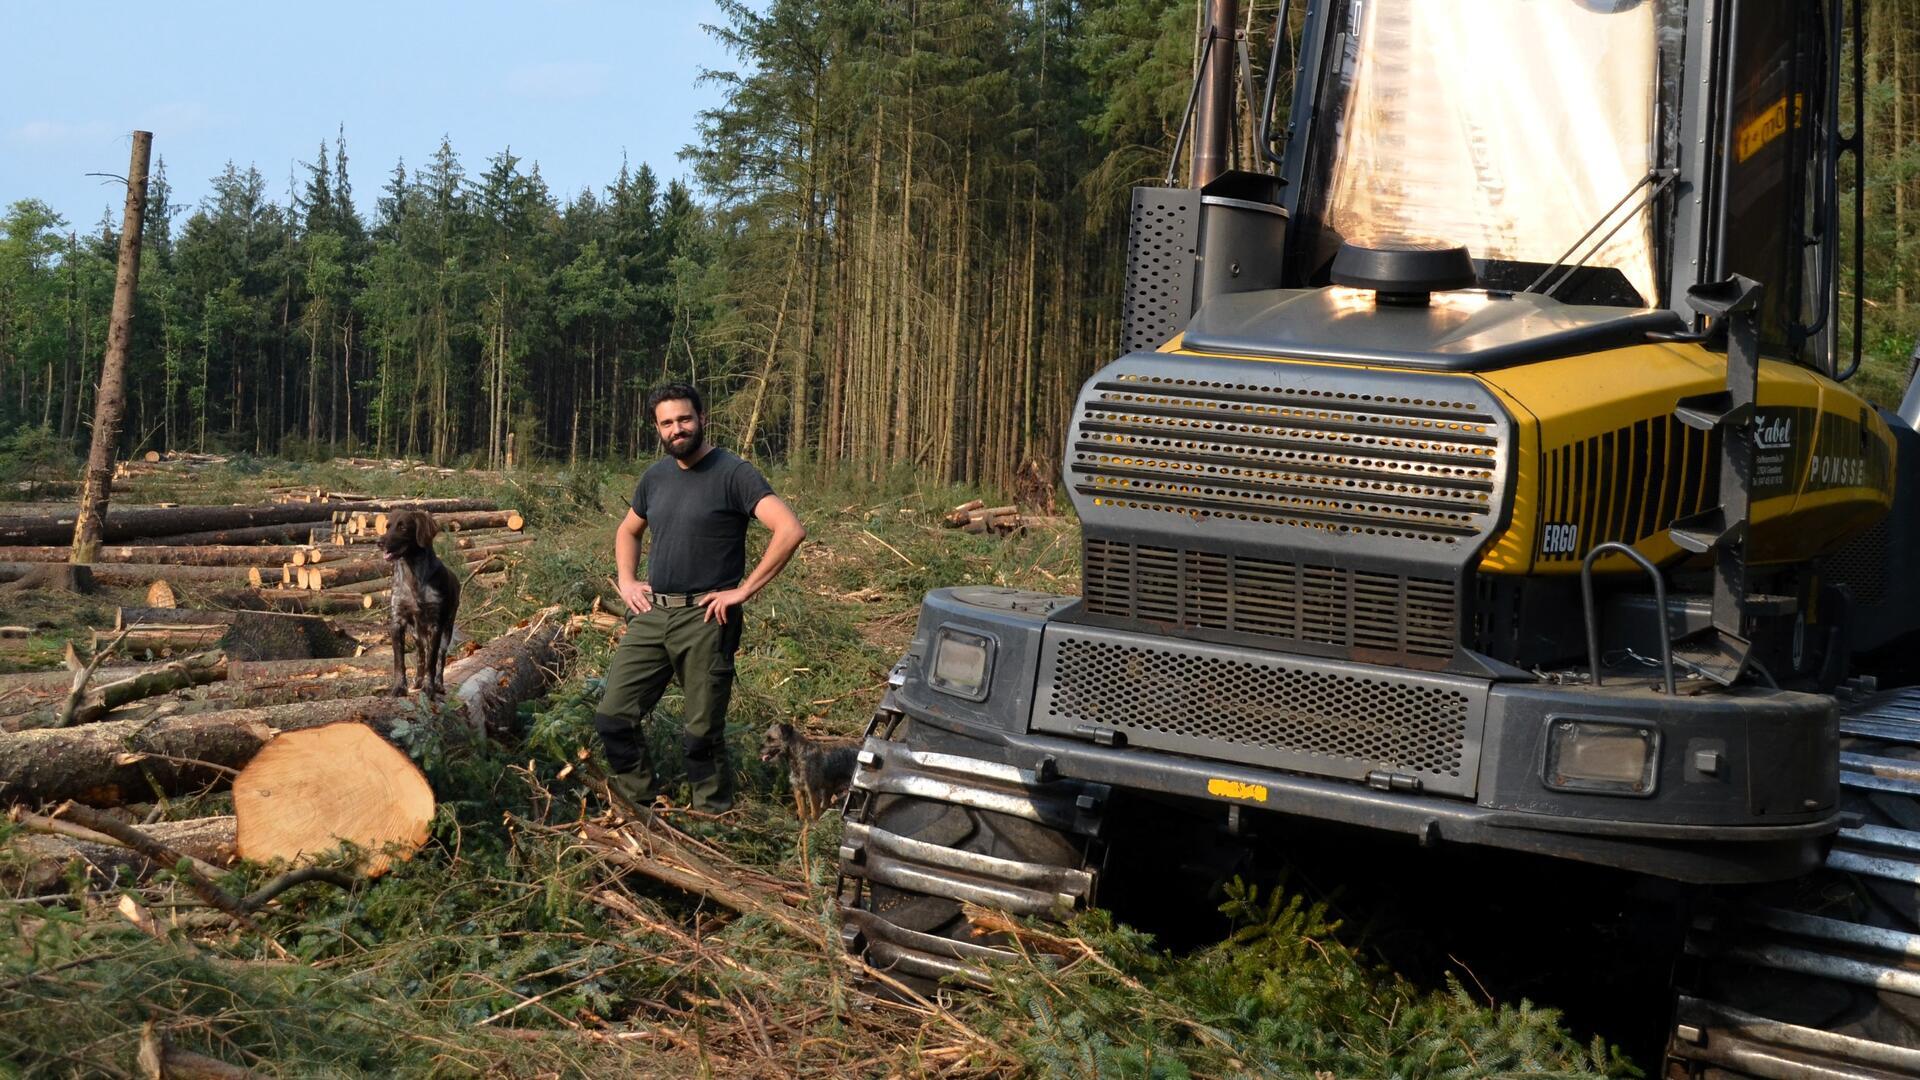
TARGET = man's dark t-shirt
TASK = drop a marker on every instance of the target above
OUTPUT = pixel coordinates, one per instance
(698, 518)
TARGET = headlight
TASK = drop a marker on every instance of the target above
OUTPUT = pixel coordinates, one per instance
(962, 663)
(1612, 758)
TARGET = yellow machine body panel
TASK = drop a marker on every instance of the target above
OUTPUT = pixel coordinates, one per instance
(1614, 464)
(1598, 456)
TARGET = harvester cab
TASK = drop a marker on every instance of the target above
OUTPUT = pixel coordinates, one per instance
(1480, 467)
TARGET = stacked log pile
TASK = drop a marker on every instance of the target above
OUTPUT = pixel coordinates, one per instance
(116, 742)
(170, 463)
(304, 541)
(242, 623)
(976, 516)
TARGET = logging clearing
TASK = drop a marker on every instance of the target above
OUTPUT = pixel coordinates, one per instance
(179, 825)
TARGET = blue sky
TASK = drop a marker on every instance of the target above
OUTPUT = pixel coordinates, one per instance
(567, 83)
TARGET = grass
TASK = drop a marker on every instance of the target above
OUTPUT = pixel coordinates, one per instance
(502, 949)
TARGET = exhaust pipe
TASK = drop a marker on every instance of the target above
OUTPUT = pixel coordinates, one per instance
(1213, 116)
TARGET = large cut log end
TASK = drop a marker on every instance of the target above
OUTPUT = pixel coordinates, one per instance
(306, 791)
(161, 595)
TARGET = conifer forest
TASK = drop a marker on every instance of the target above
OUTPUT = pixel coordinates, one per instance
(905, 247)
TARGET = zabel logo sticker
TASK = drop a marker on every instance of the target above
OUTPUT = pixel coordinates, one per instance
(1234, 789)
(1774, 433)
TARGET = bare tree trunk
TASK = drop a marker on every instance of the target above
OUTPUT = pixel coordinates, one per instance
(111, 402)
(773, 348)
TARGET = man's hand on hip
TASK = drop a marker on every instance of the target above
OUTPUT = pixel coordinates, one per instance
(638, 596)
(717, 604)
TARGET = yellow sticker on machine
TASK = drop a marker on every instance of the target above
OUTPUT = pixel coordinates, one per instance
(1234, 789)
(1768, 126)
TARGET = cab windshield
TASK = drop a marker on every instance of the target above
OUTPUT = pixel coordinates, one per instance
(1512, 127)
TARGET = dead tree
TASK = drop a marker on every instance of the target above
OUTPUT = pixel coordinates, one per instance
(111, 402)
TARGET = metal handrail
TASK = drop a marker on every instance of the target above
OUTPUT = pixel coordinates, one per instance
(1593, 624)
(1186, 115)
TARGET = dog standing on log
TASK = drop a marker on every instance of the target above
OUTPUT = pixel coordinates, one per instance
(820, 769)
(426, 596)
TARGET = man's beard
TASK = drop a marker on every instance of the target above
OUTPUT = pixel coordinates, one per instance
(687, 447)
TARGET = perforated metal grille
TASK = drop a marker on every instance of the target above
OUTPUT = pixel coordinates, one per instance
(1399, 467)
(1367, 614)
(1862, 565)
(1160, 250)
(1299, 717)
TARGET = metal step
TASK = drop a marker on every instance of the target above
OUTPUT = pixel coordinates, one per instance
(1716, 1034)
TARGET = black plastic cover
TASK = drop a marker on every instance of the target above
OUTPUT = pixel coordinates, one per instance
(1403, 268)
(1476, 332)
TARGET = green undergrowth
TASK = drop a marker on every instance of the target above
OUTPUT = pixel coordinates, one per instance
(488, 954)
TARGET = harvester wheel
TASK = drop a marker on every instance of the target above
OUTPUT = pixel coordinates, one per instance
(963, 828)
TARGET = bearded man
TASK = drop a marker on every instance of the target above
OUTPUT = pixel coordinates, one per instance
(684, 616)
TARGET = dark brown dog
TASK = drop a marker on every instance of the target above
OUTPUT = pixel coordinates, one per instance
(426, 596)
(821, 769)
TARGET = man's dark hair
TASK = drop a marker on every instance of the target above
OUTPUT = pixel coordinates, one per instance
(675, 392)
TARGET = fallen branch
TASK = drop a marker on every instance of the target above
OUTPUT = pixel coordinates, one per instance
(201, 884)
(196, 670)
(263, 895)
(160, 1060)
(80, 679)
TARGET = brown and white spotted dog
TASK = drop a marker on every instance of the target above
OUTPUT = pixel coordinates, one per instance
(819, 768)
(426, 596)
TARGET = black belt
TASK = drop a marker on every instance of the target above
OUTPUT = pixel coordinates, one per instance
(678, 600)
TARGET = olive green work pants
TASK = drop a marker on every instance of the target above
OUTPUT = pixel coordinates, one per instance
(661, 645)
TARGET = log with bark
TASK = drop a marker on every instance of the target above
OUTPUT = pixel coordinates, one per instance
(39, 687)
(162, 640)
(246, 635)
(132, 575)
(305, 600)
(196, 670)
(53, 847)
(164, 554)
(124, 524)
(112, 761)
(292, 533)
(246, 683)
(335, 574)
(481, 519)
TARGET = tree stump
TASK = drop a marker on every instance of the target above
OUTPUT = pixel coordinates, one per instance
(307, 791)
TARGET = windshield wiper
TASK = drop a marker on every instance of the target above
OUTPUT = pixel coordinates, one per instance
(1659, 178)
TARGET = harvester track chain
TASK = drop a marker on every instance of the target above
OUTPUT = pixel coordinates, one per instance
(930, 833)
(1819, 979)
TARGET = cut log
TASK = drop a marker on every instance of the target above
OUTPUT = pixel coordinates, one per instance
(377, 583)
(318, 603)
(498, 547)
(481, 519)
(108, 763)
(970, 504)
(160, 595)
(247, 635)
(132, 575)
(162, 639)
(261, 534)
(22, 695)
(125, 524)
(163, 554)
(334, 575)
(307, 791)
(130, 616)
